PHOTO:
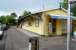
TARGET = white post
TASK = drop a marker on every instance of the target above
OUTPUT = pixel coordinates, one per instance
(68, 27)
(30, 45)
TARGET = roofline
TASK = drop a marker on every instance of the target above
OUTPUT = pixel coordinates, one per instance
(50, 10)
(64, 10)
(46, 11)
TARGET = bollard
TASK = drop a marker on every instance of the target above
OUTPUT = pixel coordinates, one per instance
(34, 43)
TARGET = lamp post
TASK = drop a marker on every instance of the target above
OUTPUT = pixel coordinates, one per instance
(68, 28)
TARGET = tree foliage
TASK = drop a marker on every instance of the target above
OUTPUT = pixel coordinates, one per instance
(65, 4)
(13, 14)
(8, 19)
(73, 9)
(2, 20)
(25, 13)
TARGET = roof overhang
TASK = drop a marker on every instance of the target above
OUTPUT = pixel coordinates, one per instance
(57, 17)
(73, 17)
(62, 17)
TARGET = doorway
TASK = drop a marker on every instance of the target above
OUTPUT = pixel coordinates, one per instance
(54, 26)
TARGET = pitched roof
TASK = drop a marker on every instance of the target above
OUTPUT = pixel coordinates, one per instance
(40, 12)
(49, 10)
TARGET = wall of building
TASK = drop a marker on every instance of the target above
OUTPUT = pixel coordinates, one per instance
(33, 28)
(58, 27)
(57, 12)
(61, 27)
(42, 29)
(37, 29)
(45, 18)
(74, 25)
(64, 26)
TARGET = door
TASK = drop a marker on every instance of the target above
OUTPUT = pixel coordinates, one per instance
(54, 26)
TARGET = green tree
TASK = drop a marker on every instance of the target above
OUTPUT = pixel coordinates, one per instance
(25, 13)
(13, 14)
(73, 9)
(64, 4)
(2, 19)
(8, 19)
(13, 18)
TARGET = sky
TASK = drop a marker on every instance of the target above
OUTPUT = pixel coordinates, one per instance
(18, 6)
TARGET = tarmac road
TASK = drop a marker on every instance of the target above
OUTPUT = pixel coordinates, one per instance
(18, 40)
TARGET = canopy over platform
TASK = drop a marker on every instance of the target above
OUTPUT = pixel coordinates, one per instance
(61, 17)
(57, 17)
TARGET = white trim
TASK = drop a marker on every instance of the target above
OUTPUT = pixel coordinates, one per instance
(30, 45)
(58, 17)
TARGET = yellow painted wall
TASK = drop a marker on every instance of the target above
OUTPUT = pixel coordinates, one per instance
(61, 13)
(45, 18)
(74, 25)
(33, 28)
(42, 29)
(64, 26)
(43, 26)
(57, 12)
(58, 27)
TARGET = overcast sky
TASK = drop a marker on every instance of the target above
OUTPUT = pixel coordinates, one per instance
(18, 6)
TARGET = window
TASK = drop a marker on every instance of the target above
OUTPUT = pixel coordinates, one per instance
(50, 27)
(54, 26)
(37, 20)
(64, 26)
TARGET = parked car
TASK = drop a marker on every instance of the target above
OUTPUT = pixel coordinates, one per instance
(1, 33)
(5, 27)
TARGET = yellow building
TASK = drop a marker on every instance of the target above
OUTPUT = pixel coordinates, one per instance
(50, 22)
(73, 24)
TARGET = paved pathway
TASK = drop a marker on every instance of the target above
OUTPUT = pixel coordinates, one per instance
(18, 40)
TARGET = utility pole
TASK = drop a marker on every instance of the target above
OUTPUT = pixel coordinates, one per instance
(68, 28)
(43, 4)
(69, 25)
